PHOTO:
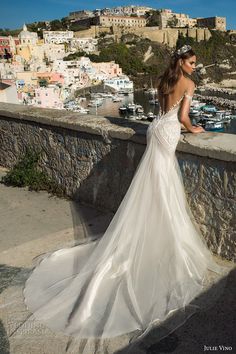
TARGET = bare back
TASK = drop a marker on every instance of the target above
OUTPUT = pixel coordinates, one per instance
(167, 102)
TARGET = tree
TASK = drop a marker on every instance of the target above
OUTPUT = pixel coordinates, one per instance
(55, 25)
(172, 22)
(153, 18)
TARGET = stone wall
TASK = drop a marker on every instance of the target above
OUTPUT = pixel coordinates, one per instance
(94, 159)
(167, 36)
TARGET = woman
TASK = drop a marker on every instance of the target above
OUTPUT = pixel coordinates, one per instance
(152, 259)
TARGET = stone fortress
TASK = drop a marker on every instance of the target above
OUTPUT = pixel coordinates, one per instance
(131, 19)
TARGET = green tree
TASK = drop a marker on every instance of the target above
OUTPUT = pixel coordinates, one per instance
(153, 18)
(172, 22)
(56, 25)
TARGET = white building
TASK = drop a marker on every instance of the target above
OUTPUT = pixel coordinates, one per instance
(8, 93)
(120, 84)
(75, 72)
(88, 45)
(27, 38)
(57, 37)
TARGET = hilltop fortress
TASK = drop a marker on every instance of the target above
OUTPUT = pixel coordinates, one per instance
(168, 36)
(163, 25)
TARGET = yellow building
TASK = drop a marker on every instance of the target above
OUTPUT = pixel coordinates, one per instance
(29, 77)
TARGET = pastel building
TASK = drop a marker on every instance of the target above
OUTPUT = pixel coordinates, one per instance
(106, 70)
(8, 93)
(51, 77)
(8, 43)
(48, 97)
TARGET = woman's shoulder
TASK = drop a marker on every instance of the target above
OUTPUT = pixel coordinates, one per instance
(187, 83)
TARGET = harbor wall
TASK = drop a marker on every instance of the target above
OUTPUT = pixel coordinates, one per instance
(94, 160)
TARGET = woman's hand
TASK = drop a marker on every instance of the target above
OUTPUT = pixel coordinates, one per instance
(197, 129)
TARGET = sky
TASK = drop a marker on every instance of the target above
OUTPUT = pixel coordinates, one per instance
(14, 13)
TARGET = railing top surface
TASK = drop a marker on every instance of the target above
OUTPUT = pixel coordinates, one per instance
(219, 146)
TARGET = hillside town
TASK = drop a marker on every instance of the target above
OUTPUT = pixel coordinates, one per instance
(35, 71)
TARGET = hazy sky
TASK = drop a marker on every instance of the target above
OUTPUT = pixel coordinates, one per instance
(15, 12)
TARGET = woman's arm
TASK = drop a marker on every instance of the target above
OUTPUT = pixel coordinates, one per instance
(184, 110)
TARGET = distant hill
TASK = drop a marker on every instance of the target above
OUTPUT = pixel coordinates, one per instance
(144, 59)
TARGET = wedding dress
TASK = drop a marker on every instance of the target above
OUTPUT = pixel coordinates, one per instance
(151, 261)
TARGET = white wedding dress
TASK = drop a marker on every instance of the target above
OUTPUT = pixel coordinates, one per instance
(151, 261)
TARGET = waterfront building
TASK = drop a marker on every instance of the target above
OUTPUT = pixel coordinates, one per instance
(120, 84)
(106, 70)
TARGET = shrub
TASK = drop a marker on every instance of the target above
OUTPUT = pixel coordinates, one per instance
(27, 174)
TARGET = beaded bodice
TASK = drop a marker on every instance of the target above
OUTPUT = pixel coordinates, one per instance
(166, 126)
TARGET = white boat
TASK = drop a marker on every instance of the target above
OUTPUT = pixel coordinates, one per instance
(194, 112)
(212, 125)
(151, 91)
(197, 104)
(154, 101)
(96, 102)
(139, 108)
(150, 116)
(116, 99)
(81, 110)
(222, 114)
(123, 109)
(131, 107)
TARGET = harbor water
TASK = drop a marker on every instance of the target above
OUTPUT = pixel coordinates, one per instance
(111, 109)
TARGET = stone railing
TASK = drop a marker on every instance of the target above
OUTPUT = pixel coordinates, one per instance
(94, 159)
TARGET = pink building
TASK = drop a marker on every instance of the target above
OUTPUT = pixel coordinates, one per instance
(109, 69)
(51, 77)
(48, 97)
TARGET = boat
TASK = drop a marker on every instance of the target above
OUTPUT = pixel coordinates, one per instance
(150, 116)
(212, 126)
(209, 109)
(194, 112)
(81, 110)
(151, 91)
(131, 107)
(123, 109)
(154, 101)
(95, 103)
(116, 99)
(139, 108)
(224, 115)
(197, 104)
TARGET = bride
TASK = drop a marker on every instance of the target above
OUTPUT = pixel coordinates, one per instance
(152, 260)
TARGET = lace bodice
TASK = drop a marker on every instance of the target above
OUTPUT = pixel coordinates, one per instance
(166, 126)
(177, 103)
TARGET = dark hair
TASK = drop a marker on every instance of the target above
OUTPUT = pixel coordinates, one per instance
(172, 74)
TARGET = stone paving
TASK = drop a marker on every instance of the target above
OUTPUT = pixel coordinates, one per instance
(32, 224)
